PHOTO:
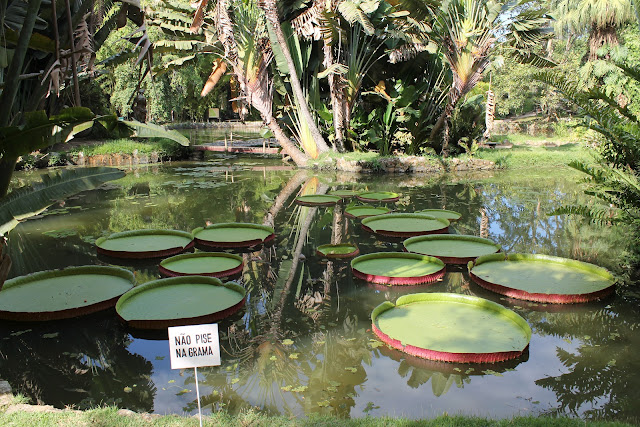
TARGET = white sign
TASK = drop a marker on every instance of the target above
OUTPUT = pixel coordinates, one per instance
(194, 346)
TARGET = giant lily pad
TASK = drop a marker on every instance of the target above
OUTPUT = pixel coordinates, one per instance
(365, 211)
(541, 278)
(451, 248)
(405, 224)
(63, 294)
(397, 268)
(442, 213)
(451, 328)
(317, 200)
(176, 301)
(213, 264)
(340, 250)
(345, 194)
(378, 196)
(145, 243)
(233, 235)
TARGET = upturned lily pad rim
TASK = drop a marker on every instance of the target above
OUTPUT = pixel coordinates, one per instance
(166, 271)
(355, 251)
(558, 298)
(366, 224)
(398, 280)
(391, 196)
(454, 216)
(318, 200)
(145, 254)
(239, 244)
(450, 237)
(47, 315)
(142, 323)
(457, 357)
(349, 211)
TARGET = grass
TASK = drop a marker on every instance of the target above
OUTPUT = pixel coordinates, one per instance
(523, 138)
(529, 156)
(162, 147)
(110, 417)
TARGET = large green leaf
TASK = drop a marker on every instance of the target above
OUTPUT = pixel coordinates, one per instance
(26, 202)
(149, 130)
(41, 131)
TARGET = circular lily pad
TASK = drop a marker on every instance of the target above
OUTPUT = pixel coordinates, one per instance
(451, 328)
(144, 243)
(63, 294)
(342, 250)
(233, 235)
(378, 196)
(451, 248)
(365, 211)
(317, 200)
(405, 224)
(541, 278)
(442, 213)
(213, 264)
(397, 268)
(177, 301)
(345, 194)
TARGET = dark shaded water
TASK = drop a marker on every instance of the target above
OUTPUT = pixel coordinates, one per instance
(303, 343)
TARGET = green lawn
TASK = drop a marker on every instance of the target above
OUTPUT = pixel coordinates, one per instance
(529, 156)
(110, 417)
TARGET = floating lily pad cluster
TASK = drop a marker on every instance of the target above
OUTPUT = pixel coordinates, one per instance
(192, 293)
(498, 334)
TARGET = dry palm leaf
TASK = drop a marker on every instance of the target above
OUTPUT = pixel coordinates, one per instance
(219, 68)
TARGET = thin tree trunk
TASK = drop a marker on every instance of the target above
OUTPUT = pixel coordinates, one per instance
(7, 166)
(336, 97)
(74, 65)
(15, 69)
(39, 93)
(271, 12)
(443, 123)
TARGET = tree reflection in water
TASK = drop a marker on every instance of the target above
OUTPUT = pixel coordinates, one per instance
(603, 372)
(61, 364)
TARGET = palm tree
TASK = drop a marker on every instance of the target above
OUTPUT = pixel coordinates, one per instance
(601, 19)
(271, 12)
(247, 51)
(467, 33)
(351, 45)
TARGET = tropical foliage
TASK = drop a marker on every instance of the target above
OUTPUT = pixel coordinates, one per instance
(613, 181)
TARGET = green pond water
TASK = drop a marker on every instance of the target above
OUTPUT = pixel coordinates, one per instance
(303, 342)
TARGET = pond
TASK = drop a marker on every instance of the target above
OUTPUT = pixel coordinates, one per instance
(303, 343)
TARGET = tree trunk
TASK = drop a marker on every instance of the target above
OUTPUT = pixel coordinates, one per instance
(443, 122)
(600, 36)
(74, 65)
(336, 99)
(299, 158)
(7, 166)
(11, 84)
(271, 12)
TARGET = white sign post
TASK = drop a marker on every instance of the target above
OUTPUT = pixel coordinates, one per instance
(192, 347)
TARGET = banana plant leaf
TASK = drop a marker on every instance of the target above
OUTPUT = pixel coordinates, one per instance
(149, 130)
(27, 202)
